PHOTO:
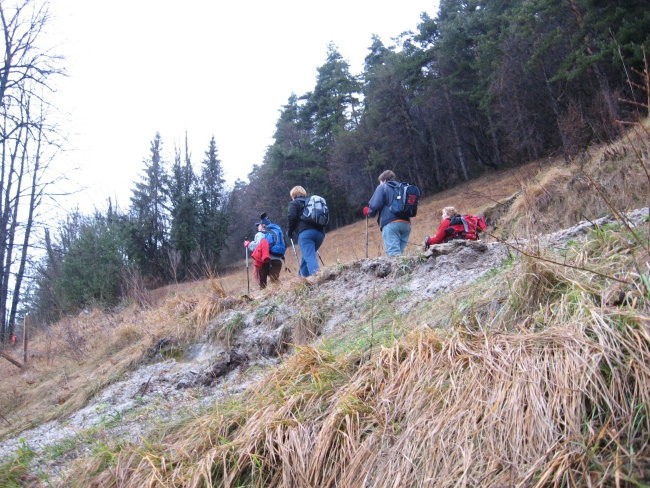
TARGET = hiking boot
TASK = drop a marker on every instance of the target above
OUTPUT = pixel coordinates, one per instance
(315, 278)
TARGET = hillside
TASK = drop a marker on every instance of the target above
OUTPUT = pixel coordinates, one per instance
(521, 359)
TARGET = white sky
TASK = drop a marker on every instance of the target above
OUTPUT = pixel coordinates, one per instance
(205, 67)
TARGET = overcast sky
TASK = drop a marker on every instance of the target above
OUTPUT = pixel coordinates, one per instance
(205, 67)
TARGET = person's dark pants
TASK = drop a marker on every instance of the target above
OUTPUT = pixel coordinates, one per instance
(270, 269)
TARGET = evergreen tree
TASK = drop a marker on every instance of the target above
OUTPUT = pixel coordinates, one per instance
(333, 106)
(393, 127)
(83, 267)
(293, 159)
(149, 218)
(91, 271)
(212, 215)
(332, 109)
(184, 232)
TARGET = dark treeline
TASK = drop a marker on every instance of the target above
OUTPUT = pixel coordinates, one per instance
(484, 85)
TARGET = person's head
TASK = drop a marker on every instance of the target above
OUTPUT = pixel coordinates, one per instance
(264, 219)
(448, 212)
(387, 175)
(297, 191)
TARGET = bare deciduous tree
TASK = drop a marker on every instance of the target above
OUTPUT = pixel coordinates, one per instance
(25, 137)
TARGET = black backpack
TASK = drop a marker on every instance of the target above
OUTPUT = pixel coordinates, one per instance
(405, 199)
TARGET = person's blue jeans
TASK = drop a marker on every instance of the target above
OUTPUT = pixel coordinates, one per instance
(396, 236)
(309, 241)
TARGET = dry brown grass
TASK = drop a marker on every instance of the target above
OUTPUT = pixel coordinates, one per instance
(605, 179)
(551, 388)
(98, 346)
(541, 381)
(563, 404)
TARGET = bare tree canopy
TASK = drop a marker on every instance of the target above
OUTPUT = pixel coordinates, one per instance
(26, 138)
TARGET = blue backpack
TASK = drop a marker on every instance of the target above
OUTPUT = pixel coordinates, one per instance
(273, 235)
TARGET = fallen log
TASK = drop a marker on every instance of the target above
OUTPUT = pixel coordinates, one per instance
(11, 360)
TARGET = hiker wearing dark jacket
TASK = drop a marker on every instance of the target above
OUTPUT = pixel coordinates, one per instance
(395, 231)
(265, 263)
(310, 236)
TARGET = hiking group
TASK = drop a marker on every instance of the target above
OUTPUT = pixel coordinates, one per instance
(307, 218)
(394, 203)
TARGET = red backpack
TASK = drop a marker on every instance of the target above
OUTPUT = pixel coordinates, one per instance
(465, 227)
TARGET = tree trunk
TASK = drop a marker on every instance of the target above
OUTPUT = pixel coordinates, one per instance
(6, 237)
(601, 79)
(495, 140)
(556, 113)
(33, 203)
(460, 155)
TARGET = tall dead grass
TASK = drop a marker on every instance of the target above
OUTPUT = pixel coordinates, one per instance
(101, 346)
(551, 390)
(566, 194)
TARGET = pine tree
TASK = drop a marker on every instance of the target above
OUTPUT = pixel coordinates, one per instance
(212, 216)
(149, 217)
(184, 232)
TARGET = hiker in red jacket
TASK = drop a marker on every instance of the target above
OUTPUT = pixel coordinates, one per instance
(455, 226)
(265, 264)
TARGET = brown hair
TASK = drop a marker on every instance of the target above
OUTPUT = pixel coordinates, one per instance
(387, 175)
(297, 191)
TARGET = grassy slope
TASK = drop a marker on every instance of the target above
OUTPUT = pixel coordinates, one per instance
(537, 375)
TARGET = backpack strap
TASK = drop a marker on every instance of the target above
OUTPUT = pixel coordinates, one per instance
(465, 224)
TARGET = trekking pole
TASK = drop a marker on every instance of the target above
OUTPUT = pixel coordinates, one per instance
(295, 254)
(321, 259)
(366, 237)
(248, 280)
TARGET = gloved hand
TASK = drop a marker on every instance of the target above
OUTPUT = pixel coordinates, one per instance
(366, 211)
(426, 243)
(247, 243)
